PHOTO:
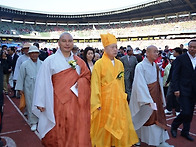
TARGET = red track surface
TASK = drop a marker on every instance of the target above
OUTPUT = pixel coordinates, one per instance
(16, 128)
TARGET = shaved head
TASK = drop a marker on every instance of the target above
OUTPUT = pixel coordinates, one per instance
(65, 43)
(152, 53)
(65, 33)
(151, 47)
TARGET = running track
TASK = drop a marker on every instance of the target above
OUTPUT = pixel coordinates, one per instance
(16, 131)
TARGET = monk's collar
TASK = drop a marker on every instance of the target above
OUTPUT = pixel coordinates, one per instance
(146, 59)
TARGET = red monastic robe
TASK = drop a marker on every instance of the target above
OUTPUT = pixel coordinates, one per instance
(72, 113)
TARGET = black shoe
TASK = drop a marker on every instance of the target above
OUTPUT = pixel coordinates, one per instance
(187, 136)
(173, 132)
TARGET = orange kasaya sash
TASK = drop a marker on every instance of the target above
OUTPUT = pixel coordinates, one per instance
(158, 116)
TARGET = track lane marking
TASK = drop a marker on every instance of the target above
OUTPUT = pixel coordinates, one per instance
(10, 132)
(181, 130)
(22, 115)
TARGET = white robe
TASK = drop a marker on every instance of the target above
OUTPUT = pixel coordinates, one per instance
(44, 95)
(19, 61)
(145, 73)
(26, 82)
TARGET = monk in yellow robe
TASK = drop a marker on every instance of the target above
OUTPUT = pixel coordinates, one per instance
(111, 123)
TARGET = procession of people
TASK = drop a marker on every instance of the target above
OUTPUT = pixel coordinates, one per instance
(103, 98)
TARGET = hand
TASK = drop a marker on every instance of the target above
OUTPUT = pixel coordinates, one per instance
(177, 93)
(41, 108)
(99, 108)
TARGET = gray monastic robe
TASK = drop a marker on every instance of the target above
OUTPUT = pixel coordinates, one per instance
(26, 82)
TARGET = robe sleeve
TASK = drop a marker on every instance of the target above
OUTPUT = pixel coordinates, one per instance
(95, 90)
(43, 94)
(21, 78)
(139, 97)
(140, 92)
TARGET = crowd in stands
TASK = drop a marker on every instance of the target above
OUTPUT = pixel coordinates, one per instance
(174, 25)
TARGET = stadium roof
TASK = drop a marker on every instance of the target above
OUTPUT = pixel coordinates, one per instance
(147, 10)
(72, 7)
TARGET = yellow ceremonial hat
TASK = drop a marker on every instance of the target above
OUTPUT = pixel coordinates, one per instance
(108, 39)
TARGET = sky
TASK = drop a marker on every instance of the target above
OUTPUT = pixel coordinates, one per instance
(71, 6)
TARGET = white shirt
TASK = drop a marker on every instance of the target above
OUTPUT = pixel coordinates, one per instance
(112, 62)
(128, 57)
(13, 55)
(193, 60)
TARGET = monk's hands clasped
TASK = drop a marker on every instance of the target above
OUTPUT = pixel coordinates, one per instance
(42, 109)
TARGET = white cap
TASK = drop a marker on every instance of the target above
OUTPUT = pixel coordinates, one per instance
(33, 49)
(136, 52)
(26, 45)
(172, 57)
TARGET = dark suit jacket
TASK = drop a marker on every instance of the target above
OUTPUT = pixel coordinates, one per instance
(13, 62)
(184, 76)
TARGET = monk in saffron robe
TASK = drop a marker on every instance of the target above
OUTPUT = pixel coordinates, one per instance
(62, 98)
(147, 102)
(111, 123)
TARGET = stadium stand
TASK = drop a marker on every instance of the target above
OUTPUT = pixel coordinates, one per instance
(172, 25)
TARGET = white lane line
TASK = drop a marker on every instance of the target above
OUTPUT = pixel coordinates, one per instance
(171, 118)
(17, 108)
(181, 130)
(22, 115)
(10, 132)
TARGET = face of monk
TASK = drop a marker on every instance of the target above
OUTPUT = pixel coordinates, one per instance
(65, 43)
(152, 53)
(111, 50)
